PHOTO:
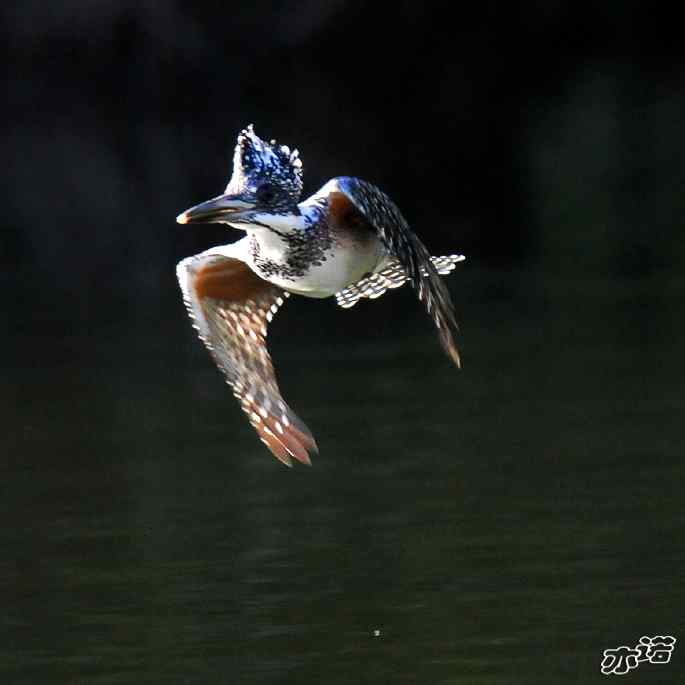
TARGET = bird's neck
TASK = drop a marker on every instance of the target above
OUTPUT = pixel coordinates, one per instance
(271, 235)
(268, 244)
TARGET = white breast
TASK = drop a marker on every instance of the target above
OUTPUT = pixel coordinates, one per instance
(342, 265)
(341, 268)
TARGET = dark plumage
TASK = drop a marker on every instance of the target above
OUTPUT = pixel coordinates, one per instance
(385, 217)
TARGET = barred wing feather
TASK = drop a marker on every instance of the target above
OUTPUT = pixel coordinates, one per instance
(381, 213)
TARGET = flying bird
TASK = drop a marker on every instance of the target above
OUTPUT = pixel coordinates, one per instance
(349, 240)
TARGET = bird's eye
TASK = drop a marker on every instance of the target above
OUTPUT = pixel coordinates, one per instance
(266, 193)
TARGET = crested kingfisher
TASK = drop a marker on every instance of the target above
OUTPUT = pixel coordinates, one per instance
(349, 240)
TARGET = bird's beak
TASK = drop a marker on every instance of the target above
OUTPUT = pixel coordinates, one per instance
(217, 210)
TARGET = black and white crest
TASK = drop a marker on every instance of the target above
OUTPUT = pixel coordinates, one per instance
(257, 163)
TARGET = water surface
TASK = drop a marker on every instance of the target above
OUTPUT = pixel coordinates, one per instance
(503, 524)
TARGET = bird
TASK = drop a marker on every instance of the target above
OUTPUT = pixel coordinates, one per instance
(348, 240)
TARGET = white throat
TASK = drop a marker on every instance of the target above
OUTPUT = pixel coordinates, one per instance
(283, 223)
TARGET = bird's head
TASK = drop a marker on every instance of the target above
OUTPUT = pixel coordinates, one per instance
(263, 191)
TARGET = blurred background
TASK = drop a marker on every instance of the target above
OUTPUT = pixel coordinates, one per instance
(502, 524)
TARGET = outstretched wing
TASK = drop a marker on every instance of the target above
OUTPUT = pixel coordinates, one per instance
(391, 276)
(384, 216)
(231, 307)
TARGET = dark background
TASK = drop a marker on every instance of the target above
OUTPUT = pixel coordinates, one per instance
(537, 133)
(545, 141)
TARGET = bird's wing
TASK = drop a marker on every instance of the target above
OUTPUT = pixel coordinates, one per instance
(392, 275)
(352, 195)
(231, 307)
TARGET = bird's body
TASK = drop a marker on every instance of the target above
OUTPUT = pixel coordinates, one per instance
(348, 240)
(314, 254)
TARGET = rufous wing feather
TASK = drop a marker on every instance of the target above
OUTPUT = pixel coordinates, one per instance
(231, 308)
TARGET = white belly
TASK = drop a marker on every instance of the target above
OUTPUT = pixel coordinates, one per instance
(341, 264)
(341, 268)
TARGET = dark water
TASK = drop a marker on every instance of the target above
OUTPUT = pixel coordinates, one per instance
(505, 524)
